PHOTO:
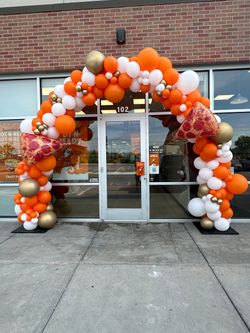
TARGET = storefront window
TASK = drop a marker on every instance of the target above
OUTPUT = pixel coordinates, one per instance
(7, 205)
(169, 160)
(132, 103)
(48, 85)
(78, 160)
(171, 201)
(10, 154)
(18, 98)
(231, 89)
(76, 201)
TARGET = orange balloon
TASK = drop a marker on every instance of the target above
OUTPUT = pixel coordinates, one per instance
(171, 76)
(46, 106)
(164, 64)
(113, 80)
(99, 93)
(165, 93)
(167, 104)
(221, 172)
(205, 101)
(44, 197)
(70, 113)
(36, 120)
(175, 109)
(110, 64)
(175, 96)
(144, 89)
(40, 207)
(65, 124)
(32, 201)
(133, 59)
(227, 164)
(101, 81)
(156, 98)
(24, 207)
(70, 88)
(76, 76)
(124, 81)
(199, 145)
(221, 193)
(89, 99)
(225, 205)
(17, 198)
(43, 180)
(19, 217)
(237, 185)
(194, 96)
(47, 164)
(40, 114)
(209, 152)
(148, 59)
(114, 93)
(227, 214)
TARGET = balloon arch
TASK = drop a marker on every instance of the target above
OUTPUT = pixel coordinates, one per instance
(110, 78)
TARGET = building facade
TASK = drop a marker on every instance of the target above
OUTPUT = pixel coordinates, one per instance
(95, 179)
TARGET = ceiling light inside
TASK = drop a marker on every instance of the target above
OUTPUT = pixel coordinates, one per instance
(238, 99)
(223, 97)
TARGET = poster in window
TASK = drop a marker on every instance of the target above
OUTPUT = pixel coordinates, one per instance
(10, 154)
(154, 160)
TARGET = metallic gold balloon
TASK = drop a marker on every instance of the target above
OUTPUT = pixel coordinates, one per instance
(28, 188)
(214, 199)
(203, 190)
(50, 208)
(94, 62)
(47, 220)
(36, 131)
(206, 223)
(225, 133)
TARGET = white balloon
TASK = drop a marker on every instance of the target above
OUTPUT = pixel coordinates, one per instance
(135, 86)
(196, 207)
(225, 159)
(217, 118)
(122, 64)
(155, 77)
(212, 164)
(47, 173)
(214, 183)
(211, 207)
(200, 180)
(46, 187)
(183, 107)
(225, 148)
(53, 133)
(34, 220)
(17, 209)
(160, 87)
(59, 90)
(145, 81)
(57, 110)
(180, 118)
(229, 143)
(109, 75)
(214, 216)
(67, 79)
(222, 224)
(205, 173)
(192, 140)
(133, 69)
(23, 217)
(69, 102)
(89, 78)
(79, 104)
(145, 74)
(49, 118)
(29, 226)
(199, 163)
(140, 79)
(188, 82)
(26, 126)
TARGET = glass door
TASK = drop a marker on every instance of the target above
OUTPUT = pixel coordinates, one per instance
(122, 168)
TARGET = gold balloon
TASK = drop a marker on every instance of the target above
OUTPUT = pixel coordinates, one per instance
(47, 220)
(28, 188)
(203, 190)
(94, 62)
(225, 133)
(50, 207)
(206, 223)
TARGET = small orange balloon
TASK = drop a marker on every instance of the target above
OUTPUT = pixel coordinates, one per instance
(194, 96)
(237, 185)
(225, 205)
(89, 99)
(205, 101)
(32, 201)
(43, 180)
(70, 88)
(99, 93)
(124, 81)
(144, 89)
(227, 214)
(221, 172)
(167, 104)
(175, 96)
(171, 76)
(46, 106)
(148, 59)
(101, 81)
(76, 76)
(110, 64)
(209, 152)
(114, 93)
(175, 109)
(65, 124)
(40, 207)
(47, 164)
(44, 197)
(164, 64)
(34, 172)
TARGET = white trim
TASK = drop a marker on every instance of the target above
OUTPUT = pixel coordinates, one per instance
(172, 183)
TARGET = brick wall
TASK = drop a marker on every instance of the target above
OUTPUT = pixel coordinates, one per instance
(188, 33)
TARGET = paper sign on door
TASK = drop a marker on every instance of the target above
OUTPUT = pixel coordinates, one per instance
(139, 168)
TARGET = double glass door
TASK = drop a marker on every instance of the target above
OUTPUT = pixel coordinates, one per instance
(123, 168)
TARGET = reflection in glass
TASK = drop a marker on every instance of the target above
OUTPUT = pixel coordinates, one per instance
(18, 98)
(10, 154)
(131, 103)
(76, 201)
(122, 152)
(231, 89)
(7, 205)
(77, 161)
(171, 201)
(175, 157)
(48, 85)
(240, 141)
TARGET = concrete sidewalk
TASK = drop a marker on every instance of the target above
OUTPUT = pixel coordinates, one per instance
(124, 278)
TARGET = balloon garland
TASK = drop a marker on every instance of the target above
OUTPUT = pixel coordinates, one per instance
(108, 77)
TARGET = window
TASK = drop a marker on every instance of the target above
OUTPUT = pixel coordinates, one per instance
(18, 98)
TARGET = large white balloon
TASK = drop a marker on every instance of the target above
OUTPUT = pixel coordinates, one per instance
(46, 187)
(227, 157)
(212, 164)
(68, 102)
(222, 224)
(155, 77)
(17, 209)
(58, 110)
(29, 226)
(79, 104)
(122, 64)
(205, 173)
(180, 118)
(214, 216)
(214, 183)
(49, 118)
(59, 90)
(133, 69)
(199, 163)
(211, 207)
(89, 78)
(135, 86)
(53, 133)
(26, 126)
(200, 180)
(188, 82)
(196, 207)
